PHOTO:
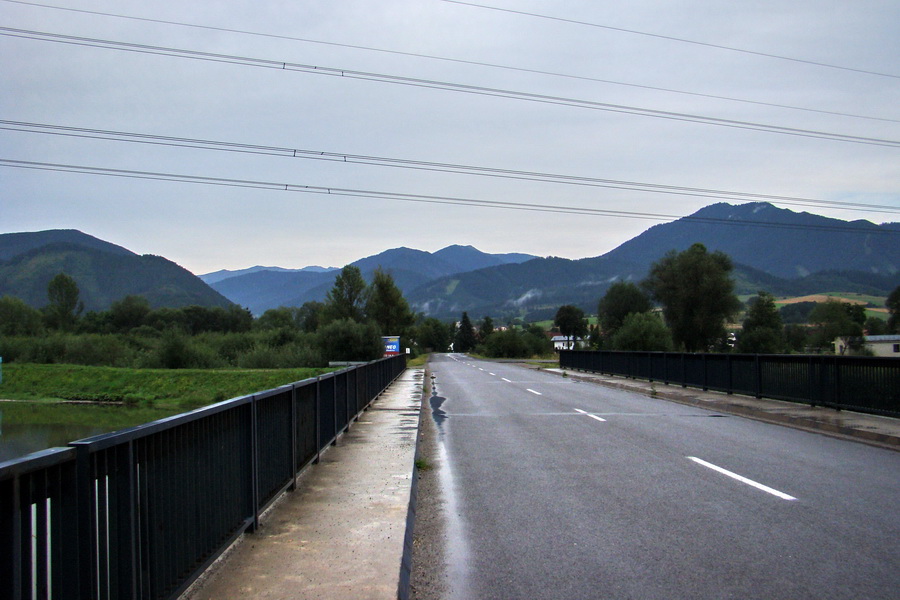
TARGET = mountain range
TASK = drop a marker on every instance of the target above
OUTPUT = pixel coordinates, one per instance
(774, 249)
(103, 271)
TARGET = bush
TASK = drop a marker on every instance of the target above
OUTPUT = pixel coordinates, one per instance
(642, 331)
(177, 351)
(505, 344)
(280, 357)
(98, 351)
(347, 340)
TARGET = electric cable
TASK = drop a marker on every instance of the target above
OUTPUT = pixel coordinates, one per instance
(423, 198)
(672, 38)
(461, 61)
(441, 85)
(193, 143)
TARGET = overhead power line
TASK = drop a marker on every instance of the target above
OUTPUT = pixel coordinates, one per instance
(543, 177)
(673, 38)
(461, 61)
(422, 198)
(441, 85)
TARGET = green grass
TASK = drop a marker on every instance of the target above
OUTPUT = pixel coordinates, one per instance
(103, 418)
(181, 389)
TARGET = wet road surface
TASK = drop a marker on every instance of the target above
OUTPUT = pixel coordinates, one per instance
(560, 489)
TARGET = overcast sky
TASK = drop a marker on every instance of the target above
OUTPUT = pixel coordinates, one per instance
(209, 227)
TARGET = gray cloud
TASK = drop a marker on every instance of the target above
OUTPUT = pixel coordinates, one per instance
(206, 228)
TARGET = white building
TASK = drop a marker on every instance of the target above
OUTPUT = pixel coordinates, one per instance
(879, 345)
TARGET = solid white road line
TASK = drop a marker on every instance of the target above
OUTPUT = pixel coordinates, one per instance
(584, 412)
(534, 392)
(758, 486)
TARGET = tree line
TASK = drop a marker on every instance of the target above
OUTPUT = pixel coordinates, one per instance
(347, 326)
(695, 293)
(686, 303)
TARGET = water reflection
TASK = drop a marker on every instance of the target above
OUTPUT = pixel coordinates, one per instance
(27, 427)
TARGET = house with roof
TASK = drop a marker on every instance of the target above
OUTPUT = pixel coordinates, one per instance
(878, 345)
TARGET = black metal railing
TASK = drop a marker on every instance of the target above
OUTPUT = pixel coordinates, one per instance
(860, 383)
(142, 512)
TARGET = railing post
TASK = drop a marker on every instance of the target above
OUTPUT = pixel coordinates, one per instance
(836, 399)
(294, 440)
(15, 561)
(759, 378)
(811, 385)
(254, 464)
(126, 498)
(87, 556)
(337, 426)
(705, 374)
(318, 420)
(729, 366)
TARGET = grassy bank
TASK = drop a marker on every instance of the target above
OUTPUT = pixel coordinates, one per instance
(181, 389)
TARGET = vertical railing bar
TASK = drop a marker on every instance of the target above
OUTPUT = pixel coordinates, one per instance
(294, 438)
(254, 463)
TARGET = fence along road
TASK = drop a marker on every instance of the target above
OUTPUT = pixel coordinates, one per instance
(563, 489)
(142, 512)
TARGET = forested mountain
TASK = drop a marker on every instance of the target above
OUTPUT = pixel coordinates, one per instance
(791, 254)
(222, 275)
(793, 244)
(14, 244)
(410, 268)
(796, 253)
(104, 272)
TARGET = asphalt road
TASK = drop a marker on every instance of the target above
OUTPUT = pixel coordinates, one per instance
(560, 489)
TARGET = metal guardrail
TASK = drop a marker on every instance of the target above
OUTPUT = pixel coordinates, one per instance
(859, 383)
(142, 512)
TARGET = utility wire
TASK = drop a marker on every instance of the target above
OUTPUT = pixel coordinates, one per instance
(441, 85)
(422, 198)
(672, 38)
(160, 140)
(463, 61)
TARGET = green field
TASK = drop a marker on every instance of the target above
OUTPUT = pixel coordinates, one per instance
(170, 389)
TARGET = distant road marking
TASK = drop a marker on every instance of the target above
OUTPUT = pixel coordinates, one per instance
(506, 380)
(534, 392)
(584, 412)
(492, 374)
(750, 482)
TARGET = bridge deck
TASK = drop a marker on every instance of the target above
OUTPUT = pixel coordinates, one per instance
(341, 533)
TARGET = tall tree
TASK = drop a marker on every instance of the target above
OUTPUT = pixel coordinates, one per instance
(621, 299)
(696, 292)
(128, 313)
(464, 341)
(486, 328)
(893, 306)
(64, 307)
(571, 322)
(387, 307)
(762, 331)
(433, 335)
(347, 299)
(831, 320)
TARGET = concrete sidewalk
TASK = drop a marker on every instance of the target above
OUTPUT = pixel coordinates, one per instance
(871, 429)
(340, 535)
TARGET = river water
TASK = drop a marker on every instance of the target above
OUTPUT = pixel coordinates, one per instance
(31, 427)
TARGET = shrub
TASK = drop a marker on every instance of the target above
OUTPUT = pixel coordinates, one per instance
(346, 340)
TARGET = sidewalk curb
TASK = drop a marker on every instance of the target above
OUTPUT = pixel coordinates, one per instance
(403, 585)
(721, 404)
